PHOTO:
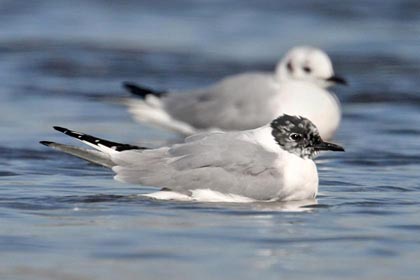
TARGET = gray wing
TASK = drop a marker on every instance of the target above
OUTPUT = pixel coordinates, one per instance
(239, 102)
(220, 162)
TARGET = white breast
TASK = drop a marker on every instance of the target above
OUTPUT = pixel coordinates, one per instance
(300, 178)
(309, 101)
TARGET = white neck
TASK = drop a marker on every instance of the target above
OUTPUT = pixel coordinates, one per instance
(300, 178)
(263, 136)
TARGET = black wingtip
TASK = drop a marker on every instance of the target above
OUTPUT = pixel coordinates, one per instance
(46, 143)
(141, 91)
(128, 86)
(95, 140)
(61, 129)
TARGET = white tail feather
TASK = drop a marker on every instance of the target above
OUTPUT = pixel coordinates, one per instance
(93, 156)
(151, 111)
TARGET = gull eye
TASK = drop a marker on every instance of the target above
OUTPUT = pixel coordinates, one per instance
(289, 66)
(307, 69)
(296, 137)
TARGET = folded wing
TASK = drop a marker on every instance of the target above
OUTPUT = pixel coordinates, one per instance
(219, 161)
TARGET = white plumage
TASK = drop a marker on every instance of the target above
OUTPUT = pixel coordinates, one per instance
(298, 86)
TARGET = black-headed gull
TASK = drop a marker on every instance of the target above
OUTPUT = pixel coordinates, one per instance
(273, 162)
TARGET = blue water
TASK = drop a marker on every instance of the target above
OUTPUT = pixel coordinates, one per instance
(62, 218)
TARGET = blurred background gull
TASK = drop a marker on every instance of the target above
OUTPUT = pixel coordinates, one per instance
(65, 219)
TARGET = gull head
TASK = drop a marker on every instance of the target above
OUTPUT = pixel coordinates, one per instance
(308, 64)
(299, 136)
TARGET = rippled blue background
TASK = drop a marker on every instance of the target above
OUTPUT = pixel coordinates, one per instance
(62, 218)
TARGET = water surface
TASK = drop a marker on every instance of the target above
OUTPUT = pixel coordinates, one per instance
(63, 218)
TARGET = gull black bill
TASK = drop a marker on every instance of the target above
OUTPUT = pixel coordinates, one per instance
(337, 80)
(326, 146)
